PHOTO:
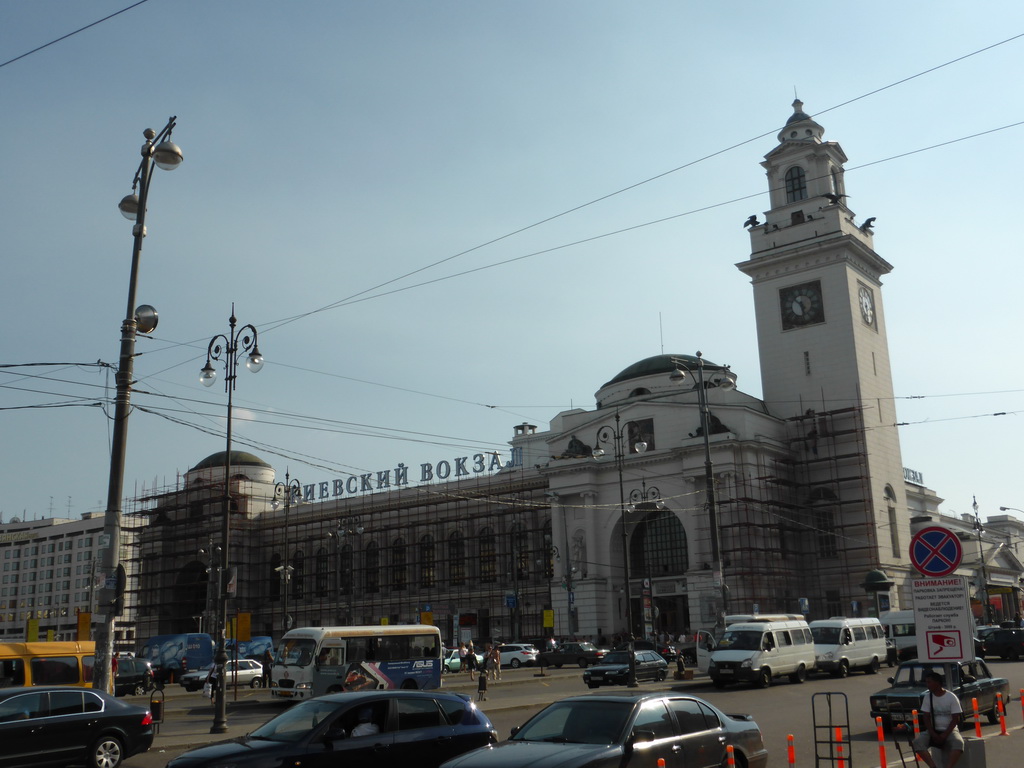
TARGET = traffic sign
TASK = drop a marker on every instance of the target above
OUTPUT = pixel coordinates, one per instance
(936, 551)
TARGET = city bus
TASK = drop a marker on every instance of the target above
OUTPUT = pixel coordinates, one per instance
(57, 663)
(312, 661)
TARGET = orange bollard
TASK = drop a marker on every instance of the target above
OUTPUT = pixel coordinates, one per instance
(841, 761)
(1002, 715)
(881, 742)
(790, 750)
(917, 724)
(661, 762)
(1022, 701)
(977, 718)
(730, 757)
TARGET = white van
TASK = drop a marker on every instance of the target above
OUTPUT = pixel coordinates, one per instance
(842, 645)
(757, 651)
(899, 627)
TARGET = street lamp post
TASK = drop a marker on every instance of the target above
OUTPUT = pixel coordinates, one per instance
(979, 529)
(291, 489)
(160, 151)
(347, 526)
(607, 434)
(726, 381)
(230, 348)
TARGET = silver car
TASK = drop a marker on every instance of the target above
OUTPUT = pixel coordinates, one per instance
(241, 672)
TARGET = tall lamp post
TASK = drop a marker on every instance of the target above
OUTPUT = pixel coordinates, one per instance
(291, 489)
(230, 349)
(605, 435)
(160, 151)
(979, 529)
(347, 526)
(725, 381)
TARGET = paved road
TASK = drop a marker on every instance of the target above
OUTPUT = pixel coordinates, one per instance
(780, 710)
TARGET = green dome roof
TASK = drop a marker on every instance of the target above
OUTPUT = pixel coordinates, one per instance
(238, 459)
(659, 364)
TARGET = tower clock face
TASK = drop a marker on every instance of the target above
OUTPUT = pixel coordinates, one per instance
(801, 305)
(866, 299)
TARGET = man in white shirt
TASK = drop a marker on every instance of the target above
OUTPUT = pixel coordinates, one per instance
(366, 726)
(941, 713)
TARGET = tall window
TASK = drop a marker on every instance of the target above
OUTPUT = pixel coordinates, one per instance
(346, 566)
(322, 571)
(796, 184)
(658, 547)
(427, 565)
(399, 568)
(456, 559)
(488, 556)
(371, 577)
(520, 545)
(298, 574)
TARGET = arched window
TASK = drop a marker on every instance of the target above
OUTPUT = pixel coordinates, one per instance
(322, 571)
(298, 574)
(658, 547)
(519, 546)
(275, 577)
(399, 568)
(427, 564)
(371, 576)
(456, 559)
(796, 184)
(488, 556)
(346, 565)
(823, 517)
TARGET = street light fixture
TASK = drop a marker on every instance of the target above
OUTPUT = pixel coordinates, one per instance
(726, 380)
(290, 489)
(159, 150)
(230, 349)
(607, 434)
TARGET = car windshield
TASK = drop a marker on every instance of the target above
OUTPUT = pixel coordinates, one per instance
(826, 635)
(294, 724)
(587, 647)
(616, 657)
(578, 722)
(912, 675)
(297, 650)
(740, 640)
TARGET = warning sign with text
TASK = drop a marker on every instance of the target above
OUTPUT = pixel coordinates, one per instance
(945, 625)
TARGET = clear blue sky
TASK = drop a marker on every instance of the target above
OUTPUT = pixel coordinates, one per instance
(331, 147)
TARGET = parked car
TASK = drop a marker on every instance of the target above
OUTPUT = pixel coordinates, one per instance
(134, 676)
(581, 654)
(1006, 644)
(517, 655)
(626, 731)
(58, 726)
(967, 680)
(542, 644)
(421, 728)
(241, 672)
(667, 652)
(614, 668)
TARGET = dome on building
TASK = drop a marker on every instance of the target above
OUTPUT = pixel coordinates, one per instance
(651, 377)
(238, 459)
(800, 126)
(659, 364)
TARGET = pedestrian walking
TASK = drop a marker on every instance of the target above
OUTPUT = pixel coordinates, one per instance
(470, 660)
(494, 659)
(268, 665)
(481, 685)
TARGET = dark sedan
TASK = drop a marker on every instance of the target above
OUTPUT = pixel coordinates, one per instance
(357, 730)
(625, 731)
(61, 726)
(614, 669)
(580, 654)
(134, 677)
(967, 680)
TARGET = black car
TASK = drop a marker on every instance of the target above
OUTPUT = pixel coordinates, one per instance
(580, 654)
(667, 652)
(134, 676)
(625, 731)
(614, 668)
(357, 730)
(966, 680)
(59, 726)
(1006, 644)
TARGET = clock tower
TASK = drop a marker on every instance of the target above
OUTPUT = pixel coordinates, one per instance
(825, 362)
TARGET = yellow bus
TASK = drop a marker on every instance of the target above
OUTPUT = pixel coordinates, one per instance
(58, 663)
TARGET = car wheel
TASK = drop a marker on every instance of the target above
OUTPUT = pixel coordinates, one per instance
(1014, 655)
(800, 675)
(582, 663)
(738, 759)
(993, 714)
(764, 678)
(515, 663)
(254, 683)
(662, 674)
(140, 690)
(107, 752)
(874, 666)
(843, 670)
(446, 670)
(409, 685)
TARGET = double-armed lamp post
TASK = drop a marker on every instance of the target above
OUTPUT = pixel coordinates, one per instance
(230, 349)
(290, 489)
(158, 150)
